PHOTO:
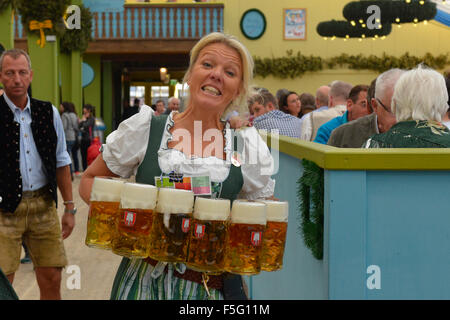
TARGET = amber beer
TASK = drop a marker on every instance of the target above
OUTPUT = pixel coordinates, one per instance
(134, 221)
(245, 237)
(207, 241)
(275, 235)
(169, 238)
(103, 211)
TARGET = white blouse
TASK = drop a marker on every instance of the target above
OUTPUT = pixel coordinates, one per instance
(126, 147)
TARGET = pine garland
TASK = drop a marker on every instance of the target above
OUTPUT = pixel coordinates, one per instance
(39, 10)
(310, 194)
(4, 4)
(295, 66)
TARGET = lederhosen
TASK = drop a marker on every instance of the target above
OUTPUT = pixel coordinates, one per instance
(230, 285)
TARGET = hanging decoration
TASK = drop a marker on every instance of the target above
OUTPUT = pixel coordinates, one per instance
(296, 65)
(392, 11)
(381, 14)
(4, 4)
(43, 17)
(310, 195)
(344, 29)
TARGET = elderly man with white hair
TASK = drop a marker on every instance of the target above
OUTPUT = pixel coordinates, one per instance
(419, 103)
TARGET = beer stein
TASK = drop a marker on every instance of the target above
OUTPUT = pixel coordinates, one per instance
(244, 237)
(169, 238)
(135, 219)
(274, 235)
(103, 211)
(207, 241)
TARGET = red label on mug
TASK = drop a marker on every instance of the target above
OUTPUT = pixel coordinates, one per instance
(256, 238)
(199, 231)
(129, 218)
(185, 224)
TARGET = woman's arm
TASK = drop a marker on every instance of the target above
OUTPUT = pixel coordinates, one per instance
(97, 168)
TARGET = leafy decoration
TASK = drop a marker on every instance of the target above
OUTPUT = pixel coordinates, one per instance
(310, 193)
(294, 66)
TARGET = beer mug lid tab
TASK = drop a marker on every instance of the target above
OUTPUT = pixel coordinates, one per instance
(106, 189)
(211, 209)
(175, 201)
(248, 212)
(277, 211)
(139, 196)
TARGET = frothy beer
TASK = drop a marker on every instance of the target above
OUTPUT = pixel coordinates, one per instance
(275, 235)
(245, 237)
(209, 228)
(134, 221)
(103, 212)
(169, 238)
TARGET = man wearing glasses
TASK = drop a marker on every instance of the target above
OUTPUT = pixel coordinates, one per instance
(354, 134)
(356, 108)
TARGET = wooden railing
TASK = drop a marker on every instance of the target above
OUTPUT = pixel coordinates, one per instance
(157, 21)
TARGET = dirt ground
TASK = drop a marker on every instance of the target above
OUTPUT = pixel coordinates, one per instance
(96, 268)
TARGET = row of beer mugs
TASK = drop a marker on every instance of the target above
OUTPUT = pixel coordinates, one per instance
(137, 220)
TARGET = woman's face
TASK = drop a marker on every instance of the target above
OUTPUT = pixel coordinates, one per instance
(61, 108)
(86, 113)
(216, 77)
(293, 104)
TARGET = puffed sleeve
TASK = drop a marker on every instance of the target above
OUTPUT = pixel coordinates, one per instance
(125, 147)
(257, 166)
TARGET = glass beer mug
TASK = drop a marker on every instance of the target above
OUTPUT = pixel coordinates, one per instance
(135, 219)
(103, 211)
(245, 237)
(169, 238)
(207, 241)
(274, 235)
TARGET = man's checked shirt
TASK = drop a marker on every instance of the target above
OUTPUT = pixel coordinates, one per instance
(286, 124)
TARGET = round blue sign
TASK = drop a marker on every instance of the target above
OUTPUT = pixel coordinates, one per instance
(253, 24)
(87, 74)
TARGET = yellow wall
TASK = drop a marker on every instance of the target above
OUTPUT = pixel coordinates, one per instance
(433, 38)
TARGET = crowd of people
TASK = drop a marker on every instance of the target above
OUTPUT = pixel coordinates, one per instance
(400, 108)
(354, 116)
(79, 133)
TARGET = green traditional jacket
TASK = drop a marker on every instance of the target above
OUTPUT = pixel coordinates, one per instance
(413, 134)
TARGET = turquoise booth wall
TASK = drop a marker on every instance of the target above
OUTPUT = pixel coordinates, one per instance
(386, 227)
(302, 276)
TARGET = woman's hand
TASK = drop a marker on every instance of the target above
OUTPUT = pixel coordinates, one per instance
(97, 168)
(237, 122)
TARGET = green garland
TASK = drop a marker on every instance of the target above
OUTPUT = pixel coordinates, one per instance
(310, 193)
(39, 10)
(4, 4)
(294, 66)
(78, 39)
(291, 66)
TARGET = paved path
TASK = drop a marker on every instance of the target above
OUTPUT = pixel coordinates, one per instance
(97, 267)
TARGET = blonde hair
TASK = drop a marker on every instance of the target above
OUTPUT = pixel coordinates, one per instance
(240, 103)
(420, 94)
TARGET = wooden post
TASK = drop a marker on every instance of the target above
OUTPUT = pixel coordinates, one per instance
(44, 62)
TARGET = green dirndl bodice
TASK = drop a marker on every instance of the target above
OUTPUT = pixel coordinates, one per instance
(138, 280)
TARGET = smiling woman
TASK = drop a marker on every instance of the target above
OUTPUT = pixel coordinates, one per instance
(195, 142)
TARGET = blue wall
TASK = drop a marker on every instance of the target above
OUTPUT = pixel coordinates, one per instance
(397, 221)
(302, 276)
